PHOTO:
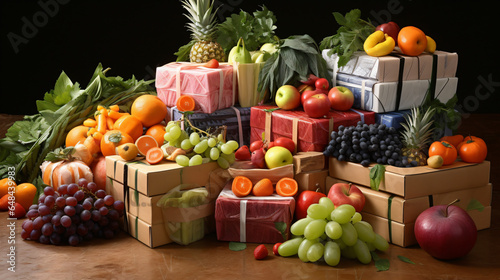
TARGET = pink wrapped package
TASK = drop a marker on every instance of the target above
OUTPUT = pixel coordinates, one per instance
(253, 219)
(211, 88)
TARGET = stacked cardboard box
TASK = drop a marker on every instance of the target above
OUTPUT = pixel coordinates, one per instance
(141, 186)
(395, 82)
(309, 171)
(406, 192)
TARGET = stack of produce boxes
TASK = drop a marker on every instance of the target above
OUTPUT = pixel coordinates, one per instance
(406, 192)
(309, 171)
(141, 186)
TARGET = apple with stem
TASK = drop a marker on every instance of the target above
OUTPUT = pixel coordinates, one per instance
(390, 28)
(445, 231)
(278, 156)
(341, 98)
(347, 193)
(287, 97)
(305, 199)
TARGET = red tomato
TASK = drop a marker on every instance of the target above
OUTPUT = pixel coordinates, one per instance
(305, 199)
(285, 143)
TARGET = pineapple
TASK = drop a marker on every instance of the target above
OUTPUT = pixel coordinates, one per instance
(202, 26)
(417, 135)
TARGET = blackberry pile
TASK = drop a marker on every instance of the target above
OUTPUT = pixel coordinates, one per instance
(365, 144)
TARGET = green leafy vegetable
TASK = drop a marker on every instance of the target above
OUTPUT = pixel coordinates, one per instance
(445, 115)
(350, 36)
(376, 176)
(281, 226)
(256, 29)
(28, 141)
(237, 246)
(183, 52)
(296, 58)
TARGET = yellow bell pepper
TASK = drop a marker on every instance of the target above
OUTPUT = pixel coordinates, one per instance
(379, 44)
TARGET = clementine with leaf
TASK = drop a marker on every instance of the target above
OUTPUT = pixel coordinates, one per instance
(113, 139)
(444, 149)
(149, 109)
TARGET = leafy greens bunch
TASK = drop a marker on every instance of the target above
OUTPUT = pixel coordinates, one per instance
(28, 141)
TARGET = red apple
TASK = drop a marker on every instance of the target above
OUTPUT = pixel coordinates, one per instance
(98, 168)
(255, 145)
(258, 158)
(390, 28)
(287, 97)
(341, 98)
(285, 143)
(343, 193)
(322, 84)
(306, 94)
(445, 232)
(305, 199)
(317, 105)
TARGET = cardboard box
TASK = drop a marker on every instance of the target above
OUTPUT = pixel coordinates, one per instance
(308, 161)
(309, 134)
(152, 180)
(212, 89)
(381, 97)
(415, 182)
(402, 210)
(388, 68)
(151, 235)
(236, 120)
(312, 180)
(402, 234)
(253, 219)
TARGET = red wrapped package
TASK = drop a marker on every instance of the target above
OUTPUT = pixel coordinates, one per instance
(310, 134)
(212, 89)
(253, 219)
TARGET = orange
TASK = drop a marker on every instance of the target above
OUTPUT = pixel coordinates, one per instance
(145, 143)
(412, 41)
(157, 131)
(5, 183)
(25, 194)
(154, 155)
(287, 187)
(185, 103)
(149, 109)
(444, 149)
(76, 135)
(263, 187)
(130, 125)
(113, 139)
(241, 186)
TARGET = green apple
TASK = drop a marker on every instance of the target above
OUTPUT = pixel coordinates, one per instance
(278, 156)
(260, 56)
(287, 97)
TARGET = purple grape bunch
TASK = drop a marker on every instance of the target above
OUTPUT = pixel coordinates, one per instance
(74, 213)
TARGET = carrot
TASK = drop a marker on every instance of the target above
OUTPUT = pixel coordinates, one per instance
(287, 187)
(91, 131)
(185, 103)
(116, 115)
(97, 135)
(263, 187)
(89, 123)
(154, 155)
(114, 108)
(242, 186)
(101, 121)
(109, 123)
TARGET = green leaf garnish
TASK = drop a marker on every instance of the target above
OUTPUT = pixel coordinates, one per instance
(380, 264)
(237, 246)
(281, 226)
(405, 259)
(474, 204)
(376, 176)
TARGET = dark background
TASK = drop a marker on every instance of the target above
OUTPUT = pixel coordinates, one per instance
(134, 37)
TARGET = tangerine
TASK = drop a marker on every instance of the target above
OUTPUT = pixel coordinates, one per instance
(412, 41)
(130, 125)
(113, 139)
(149, 109)
(157, 131)
(145, 143)
(76, 135)
(5, 184)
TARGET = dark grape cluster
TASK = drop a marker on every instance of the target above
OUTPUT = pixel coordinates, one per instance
(365, 144)
(74, 213)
